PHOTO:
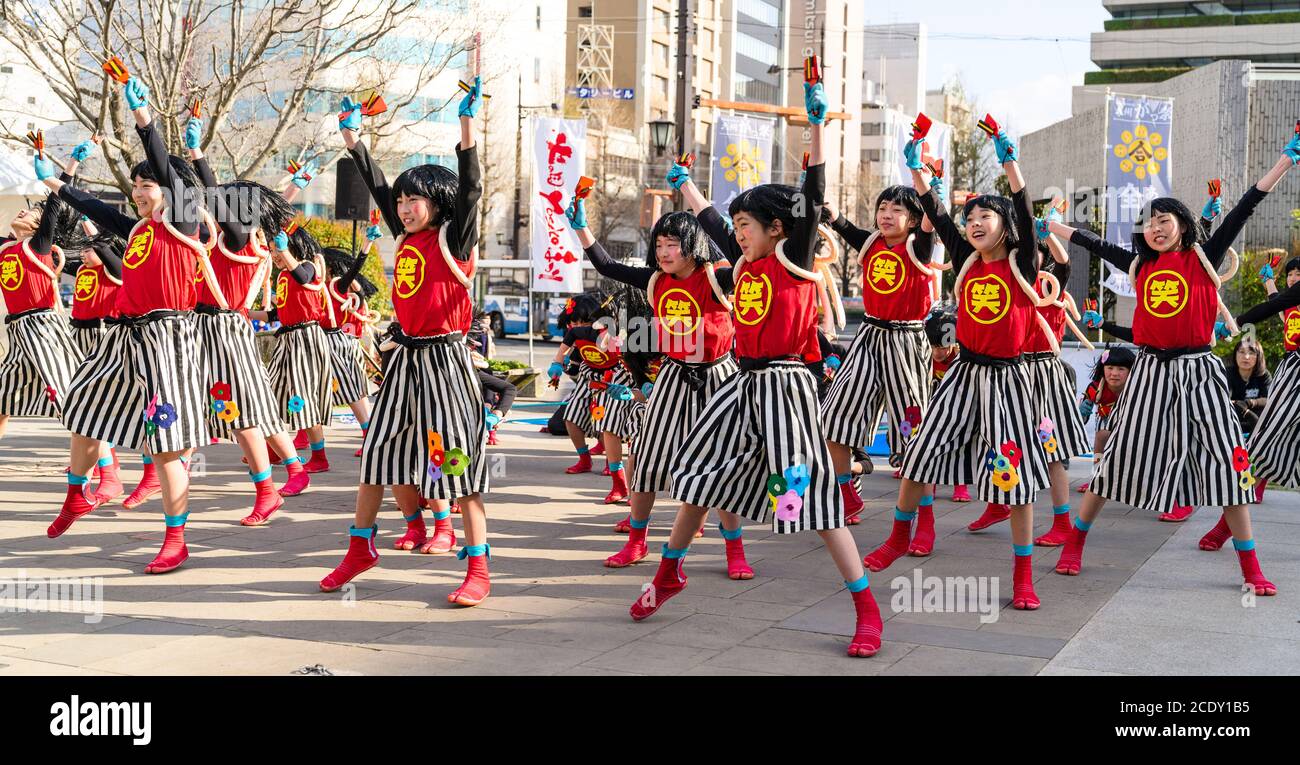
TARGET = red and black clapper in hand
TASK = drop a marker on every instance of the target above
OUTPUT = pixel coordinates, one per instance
(584, 187)
(374, 104)
(295, 166)
(989, 126)
(117, 70)
(687, 160)
(812, 70)
(921, 128)
(38, 142)
(1215, 188)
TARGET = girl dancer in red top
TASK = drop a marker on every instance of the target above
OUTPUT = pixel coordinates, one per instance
(1197, 457)
(758, 447)
(983, 421)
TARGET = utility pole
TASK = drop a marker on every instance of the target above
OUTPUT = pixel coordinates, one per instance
(684, 67)
(519, 163)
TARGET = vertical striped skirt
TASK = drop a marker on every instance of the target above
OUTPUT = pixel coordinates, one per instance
(349, 378)
(884, 370)
(758, 450)
(238, 386)
(981, 430)
(429, 410)
(135, 367)
(1174, 438)
(300, 375)
(1061, 429)
(670, 418)
(1275, 444)
(38, 367)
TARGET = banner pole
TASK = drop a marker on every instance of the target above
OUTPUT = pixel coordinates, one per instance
(1105, 188)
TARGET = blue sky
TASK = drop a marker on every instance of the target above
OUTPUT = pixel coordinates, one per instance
(1024, 83)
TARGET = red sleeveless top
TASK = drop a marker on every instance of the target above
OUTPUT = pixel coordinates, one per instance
(994, 313)
(95, 294)
(693, 319)
(238, 274)
(297, 303)
(895, 285)
(1177, 302)
(775, 310)
(1291, 329)
(430, 287)
(158, 269)
(25, 284)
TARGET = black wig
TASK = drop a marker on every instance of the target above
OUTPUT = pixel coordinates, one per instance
(767, 204)
(303, 246)
(685, 228)
(941, 325)
(339, 262)
(435, 183)
(1291, 265)
(180, 167)
(1190, 224)
(255, 205)
(1113, 357)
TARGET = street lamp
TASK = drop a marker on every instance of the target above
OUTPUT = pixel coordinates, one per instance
(661, 134)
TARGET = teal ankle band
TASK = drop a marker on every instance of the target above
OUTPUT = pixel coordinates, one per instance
(317, 446)
(1022, 551)
(672, 554)
(926, 501)
(353, 531)
(843, 478)
(730, 535)
(859, 584)
(259, 477)
(104, 461)
(441, 515)
(173, 521)
(1061, 509)
(474, 551)
(899, 515)
(1081, 524)
(412, 518)
(146, 459)
(634, 523)
(1242, 545)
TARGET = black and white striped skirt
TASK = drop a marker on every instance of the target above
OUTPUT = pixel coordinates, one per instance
(1275, 444)
(429, 409)
(758, 449)
(238, 386)
(1174, 438)
(349, 378)
(87, 338)
(577, 409)
(133, 367)
(1061, 429)
(300, 376)
(884, 370)
(610, 415)
(981, 430)
(38, 367)
(670, 417)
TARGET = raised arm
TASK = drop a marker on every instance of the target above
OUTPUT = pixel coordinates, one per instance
(953, 241)
(42, 241)
(374, 179)
(605, 265)
(1111, 253)
(1216, 247)
(713, 224)
(801, 248)
(1026, 255)
(462, 235)
(104, 215)
(851, 234)
(1279, 302)
(235, 231)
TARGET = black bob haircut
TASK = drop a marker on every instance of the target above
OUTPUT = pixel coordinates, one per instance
(586, 308)
(685, 228)
(1113, 357)
(908, 198)
(1291, 265)
(339, 262)
(435, 183)
(767, 204)
(180, 167)
(303, 246)
(1000, 206)
(1191, 226)
(255, 204)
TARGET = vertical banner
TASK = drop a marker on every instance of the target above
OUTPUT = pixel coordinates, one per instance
(559, 154)
(742, 148)
(1138, 155)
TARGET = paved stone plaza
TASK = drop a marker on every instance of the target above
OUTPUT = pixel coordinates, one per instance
(247, 602)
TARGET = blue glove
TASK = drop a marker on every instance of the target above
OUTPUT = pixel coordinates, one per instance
(350, 115)
(374, 232)
(303, 176)
(678, 176)
(833, 362)
(1221, 331)
(938, 187)
(83, 151)
(1093, 319)
(1212, 208)
(469, 105)
(645, 389)
(555, 370)
(577, 214)
(912, 154)
(814, 102)
(1006, 148)
(619, 392)
(282, 241)
(137, 94)
(1085, 409)
(493, 419)
(1267, 273)
(1041, 229)
(45, 168)
(1292, 149)
(193, 133)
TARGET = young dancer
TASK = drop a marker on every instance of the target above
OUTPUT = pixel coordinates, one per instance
(1275, 440)
(345, 322)
(692, 326)
(1176, 388)
(1109, 376)
(589, 345)
(96, 270)
(141, 386)
(300, 361)
(758, 447)
(427, 431)
(984, 418)
(42, 356)
(888, 365)
(243, 408)
(1061, 429)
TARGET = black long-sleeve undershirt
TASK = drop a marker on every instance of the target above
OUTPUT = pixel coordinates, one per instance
(463, 234)
(505, 391)
(1118, 330)
(1276, 304)
(639, 276)
(856, 238)
(1024, 257)
(42, 241)
(801, 244)
(345, 281)
(103, 215)
(304, 272)
(183, 206)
